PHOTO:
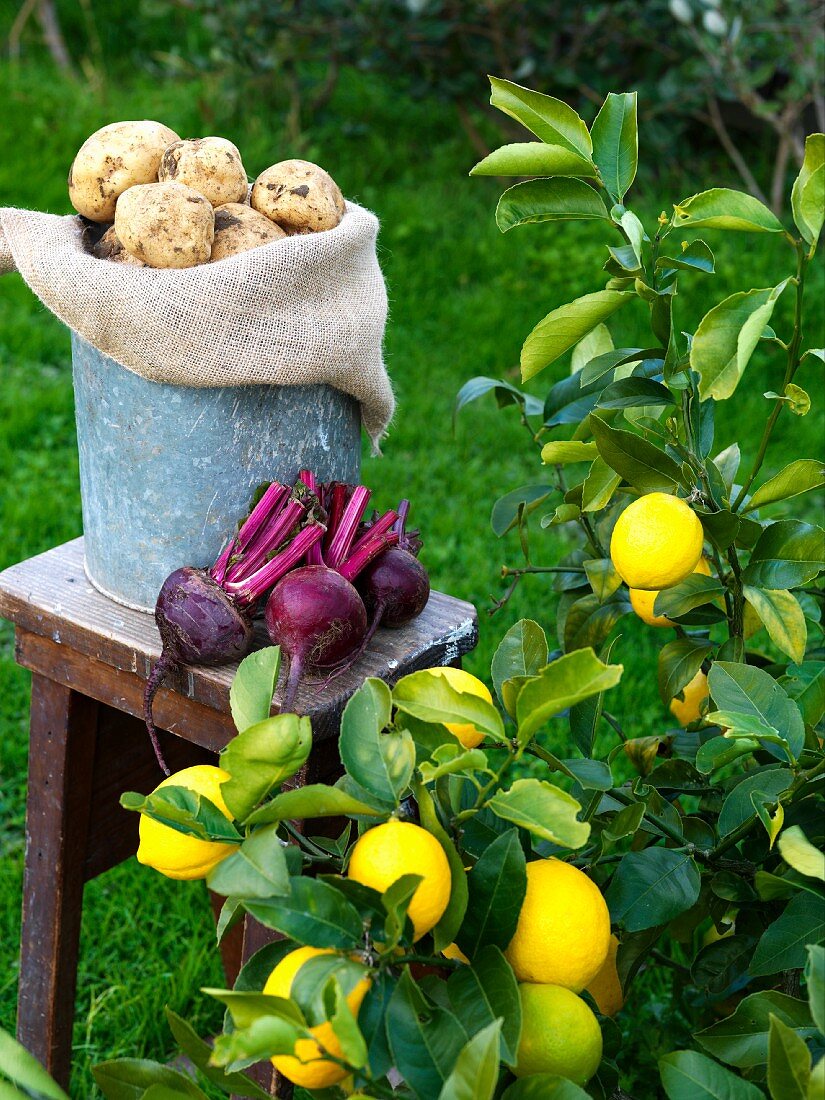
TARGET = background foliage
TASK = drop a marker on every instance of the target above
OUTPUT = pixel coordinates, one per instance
(462, 297)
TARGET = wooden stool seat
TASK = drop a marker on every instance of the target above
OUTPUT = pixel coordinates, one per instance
(90, 658)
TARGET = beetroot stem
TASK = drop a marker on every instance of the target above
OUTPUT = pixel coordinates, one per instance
(270, 540)
(247, 591)
(369, 546)
(341, 541)
(257, 520)
(163, 666)
(294, 678)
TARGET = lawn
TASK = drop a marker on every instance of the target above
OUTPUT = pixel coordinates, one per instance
(462, 297)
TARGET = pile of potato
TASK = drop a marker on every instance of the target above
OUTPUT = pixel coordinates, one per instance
(158, 201)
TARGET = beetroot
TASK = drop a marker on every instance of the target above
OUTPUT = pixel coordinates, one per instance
(395, 588)
(317, 618)
(205, 617)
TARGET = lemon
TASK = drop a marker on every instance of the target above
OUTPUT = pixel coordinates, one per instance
(689, 708)
(605, 988)
(559, 1034)
(462, 681)
(175, 854)
(453, 951)
(308, 1067)
(642, 600)
(383, 854)
(657, 542)
(563, 931)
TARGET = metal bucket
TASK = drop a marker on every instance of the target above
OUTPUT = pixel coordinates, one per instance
(167, 471)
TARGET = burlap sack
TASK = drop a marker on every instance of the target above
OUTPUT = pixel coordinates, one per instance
(307, 309)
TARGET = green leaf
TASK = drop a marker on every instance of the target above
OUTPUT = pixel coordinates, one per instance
(450, 758)
(797, 399)
(200, 1053)
(689, 1075)
(783, 619)
(475, 1074)
(562, 328)
(565, 681)
(783, 943)
(497, 885)
(544, 1086)
(311, 801)
(544, 810)
(815, 980)
(808, 194)
(505, 394)
(652, 887)
(695, 256)
(521, 652)
(599, 486)
(548, 200)
(741, 1039)
(131, 1078)
(616, 143)
(185, 811)
(516, 506)
(451, 919)
(797, 478)
(257, 870)
(314, 913)
(250, 696)
(562, 451)
(679, 661)
(719, 751)
(693, 591)
(261, 758)
(603, 578)
(631, 393)
(799, 853)
(805, 684)
(787, 554)
(486, 991)
(381, 763)
(595, 343)
(789, 1063)
(770, 782)
(533, 158)
(722, 208)
(432, 699)
(639, 462)
(263, 1037)
(425, 1039)
(345, 1027)
(23, 1069)
(751, 690)
(727, 337)
(548, 118)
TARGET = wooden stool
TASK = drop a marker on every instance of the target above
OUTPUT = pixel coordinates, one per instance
(90, 658)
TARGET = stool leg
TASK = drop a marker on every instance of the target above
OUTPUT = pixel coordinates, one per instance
(61, 758)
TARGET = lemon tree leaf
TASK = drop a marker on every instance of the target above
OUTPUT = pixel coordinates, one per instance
(789, 1063)
(381, 763)
(544, 810)
(563, 682)
(799, 853)
(200, 1053)
(256, 870)
(787, 554)
(425, 1039)
(783, 944)
(750, 690)
(597, 342)
(544, 1086)
(652, 887)
(533, 158)
(808, 194)
(261, 758)
(451, 919)
(521, 652)
(23, 1069)
(562, 451)
(185, 811)
(562, 328)
(679, 661)
(475, 1074)
(642, 464)
(433, 699)
(695, 256)
(815, 980)
(727, 337)
(690, 1075)
(723, 208)
(250, 694)
(548, 118)
(693, 591)
(496, 885)
(797, 478)
(741, 1039)
(125, 1078)
(313, 800)
(782, 617)
(263, 1037)
(486, 991)
(313, 913)
(769, 782)
(599, 486)
(616, 143)
(548, 200)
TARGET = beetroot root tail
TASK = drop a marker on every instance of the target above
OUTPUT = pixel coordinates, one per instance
(163, 666)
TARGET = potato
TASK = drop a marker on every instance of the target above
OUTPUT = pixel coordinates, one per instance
(239, 228)
(298, 195)
(113, 159)
(110, 247)
(165, 224)
(212, 165)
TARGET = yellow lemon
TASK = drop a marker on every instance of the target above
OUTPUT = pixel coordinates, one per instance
(308, 1067)
(175, 854)
(559, 1034)
(383, 854)
(605, 988)
(642, 599)
(689, 708)
(457, 678)
(657, 542)
(453, 951)
(563, 931)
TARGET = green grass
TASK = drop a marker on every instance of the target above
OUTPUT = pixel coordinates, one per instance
(462, 298)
